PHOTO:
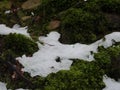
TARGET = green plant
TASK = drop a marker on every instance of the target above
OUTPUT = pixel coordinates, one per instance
(109, 60)
(20, 44)
(83, 75)
(110, 6)
(81, 26)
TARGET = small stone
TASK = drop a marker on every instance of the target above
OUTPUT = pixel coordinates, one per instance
(25, 18)
(53, 24)
(30, 4)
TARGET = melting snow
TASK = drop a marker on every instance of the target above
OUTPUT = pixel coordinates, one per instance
(44, 62)
(111, 84)
(4, 30)
(7, 12)
(3, 86)
(22, 89)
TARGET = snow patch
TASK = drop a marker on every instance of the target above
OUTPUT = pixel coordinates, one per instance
(2, 86)
(7, 12)
(111, 84)
(22, 89)
(43, 62)
(4, 30)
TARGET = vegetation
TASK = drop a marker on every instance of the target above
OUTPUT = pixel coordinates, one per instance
(78, 24)
(109, 60)
(82, 76)
(80, 21)
(20, 44)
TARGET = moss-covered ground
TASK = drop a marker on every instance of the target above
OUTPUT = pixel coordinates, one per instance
(80, 21)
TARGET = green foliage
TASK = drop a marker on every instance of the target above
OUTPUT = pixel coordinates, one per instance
(110, 6)
(83, 75)
(55, 6)
(80, 22)
(20, 44)
(5, 4)
(81, 26)
(90, 6)
(109, 60)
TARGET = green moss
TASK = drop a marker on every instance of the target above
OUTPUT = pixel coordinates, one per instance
(20, 44)
(91, 6)
(5, 4)
(109, 60)
(110, 6)
(55, 6)
(81, 26)
(80, 22)
(83, 75)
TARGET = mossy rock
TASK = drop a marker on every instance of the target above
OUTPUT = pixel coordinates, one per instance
(20, 44)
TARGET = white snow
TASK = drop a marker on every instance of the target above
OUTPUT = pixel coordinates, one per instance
(111, 84)
(2, 86)
(7, 12)
(22, 89)
(32, 13)
(43, 62)
(4, 30)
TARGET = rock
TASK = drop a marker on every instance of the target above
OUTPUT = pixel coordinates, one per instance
(30, 4)
(53, 24)
(25, 18)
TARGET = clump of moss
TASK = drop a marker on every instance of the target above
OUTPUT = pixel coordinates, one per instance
(20, 44)
(110, 6)
(83, 75)
(109, 60)
(81, 26)
(107, 6)
(51, 7)
(91, 6)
